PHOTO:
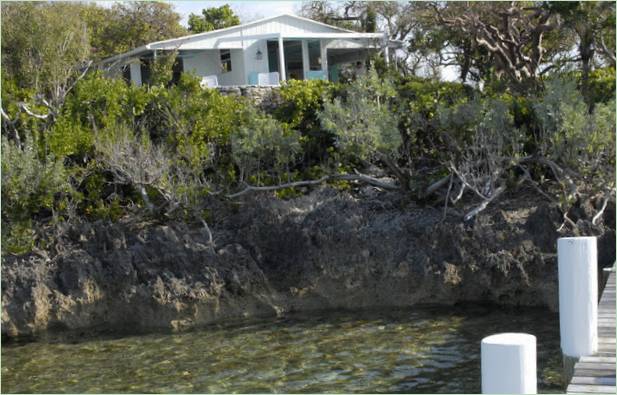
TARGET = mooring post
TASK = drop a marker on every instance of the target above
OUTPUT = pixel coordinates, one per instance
(509, 364)
(578, 299)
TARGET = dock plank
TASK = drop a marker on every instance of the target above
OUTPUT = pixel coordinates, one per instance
(595, 374)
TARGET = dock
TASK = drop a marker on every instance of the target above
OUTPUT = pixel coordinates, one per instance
(596, 374)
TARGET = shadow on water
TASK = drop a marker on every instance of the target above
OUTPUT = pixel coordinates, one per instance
(421, 350)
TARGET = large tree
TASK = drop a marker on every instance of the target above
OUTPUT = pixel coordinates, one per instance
(593, 23)
(131, 24)
(42, 44)
(213, 18)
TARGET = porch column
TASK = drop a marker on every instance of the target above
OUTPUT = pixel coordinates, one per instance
(324, 57)
(386, 53)
(305, 58)
(135, 69)
(282, 75)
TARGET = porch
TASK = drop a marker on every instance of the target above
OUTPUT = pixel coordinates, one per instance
(268, 60)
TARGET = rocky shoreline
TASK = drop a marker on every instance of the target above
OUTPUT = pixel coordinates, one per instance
(326, 249)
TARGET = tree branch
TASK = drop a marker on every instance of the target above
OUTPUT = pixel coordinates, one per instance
(343, 177)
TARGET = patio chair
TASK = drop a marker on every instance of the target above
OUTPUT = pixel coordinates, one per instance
(268, 78)
(209, 81)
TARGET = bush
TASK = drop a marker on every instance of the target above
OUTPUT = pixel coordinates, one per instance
(571, 135)
(365, 122)
(197, 123)
(97, 103)
(32, 188)
(301, 102)
(419, 101)
(602, 85)
(263, 144)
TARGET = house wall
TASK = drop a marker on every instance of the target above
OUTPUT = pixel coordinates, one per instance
(135, 69)
(208, 62)
(248, 38)
(236, 75)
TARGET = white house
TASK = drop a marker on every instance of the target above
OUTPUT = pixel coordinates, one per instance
(262, 52)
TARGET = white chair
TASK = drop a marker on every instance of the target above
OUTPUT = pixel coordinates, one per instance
(209, 81)
(268, 78)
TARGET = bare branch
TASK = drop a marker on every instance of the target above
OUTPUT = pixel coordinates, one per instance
(343, 177)
(599, 213)
(484, 204)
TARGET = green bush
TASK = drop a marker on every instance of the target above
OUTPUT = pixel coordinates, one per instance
(419, 102)
(32, 188)
(262, 145)
(300, 103)
(97, 103)
(196, 122)
(365, 121)
(602, 85)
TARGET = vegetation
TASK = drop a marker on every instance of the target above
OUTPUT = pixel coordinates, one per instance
(213, 18)
(78, 146)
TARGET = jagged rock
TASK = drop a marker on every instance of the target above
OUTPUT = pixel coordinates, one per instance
(327, 249)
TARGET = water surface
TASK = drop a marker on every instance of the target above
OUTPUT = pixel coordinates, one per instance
(427, 350)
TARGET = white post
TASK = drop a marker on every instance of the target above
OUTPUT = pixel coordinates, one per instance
(282, 73)
(386, 53)
(324, 57)
(578, 298)
(135, 69)
(305, 58)
(509, 364)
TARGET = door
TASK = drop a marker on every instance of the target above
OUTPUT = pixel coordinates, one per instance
(292, 50)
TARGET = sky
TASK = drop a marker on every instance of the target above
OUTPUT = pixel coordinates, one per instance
(247, 10)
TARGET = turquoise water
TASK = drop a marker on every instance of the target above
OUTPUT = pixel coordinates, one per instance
(428, 350)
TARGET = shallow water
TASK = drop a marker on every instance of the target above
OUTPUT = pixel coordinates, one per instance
(427, 350)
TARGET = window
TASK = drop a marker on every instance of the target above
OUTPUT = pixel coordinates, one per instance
(225, 60)
(314, 52)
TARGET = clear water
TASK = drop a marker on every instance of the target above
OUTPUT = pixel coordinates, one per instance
(428, 350)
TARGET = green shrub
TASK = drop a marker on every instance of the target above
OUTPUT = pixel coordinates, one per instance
(261, 143)
(32, 188)
(364, 122)
(602, 85)
(301, 101)
(97, 103)
(419, 102)
(196, 122)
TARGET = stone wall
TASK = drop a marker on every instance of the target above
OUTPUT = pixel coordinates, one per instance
(267, 97)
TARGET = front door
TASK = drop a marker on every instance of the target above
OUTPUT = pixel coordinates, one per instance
(293, 58)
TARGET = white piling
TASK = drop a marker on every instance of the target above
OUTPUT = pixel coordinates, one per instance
(509, 364)
(578, 299)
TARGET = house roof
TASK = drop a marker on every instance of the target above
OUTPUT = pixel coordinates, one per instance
(174, 43)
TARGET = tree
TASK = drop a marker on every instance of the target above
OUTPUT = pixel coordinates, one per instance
(512, 33)
(42, 44)
(45, 51)
(128, 25)
(213, 18)
(593, 23)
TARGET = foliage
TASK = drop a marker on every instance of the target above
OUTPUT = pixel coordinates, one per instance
(32, 188)
(300, 103)
(96, 103)
(128, 25)
(574, 138)
(376, 130)
(202, 121)
(43, 45)
(261, 144)
(602, 85)
(483, 142)
(213, 18)
(420, 99)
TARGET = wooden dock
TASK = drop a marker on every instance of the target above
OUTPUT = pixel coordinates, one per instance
(596, 373)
